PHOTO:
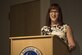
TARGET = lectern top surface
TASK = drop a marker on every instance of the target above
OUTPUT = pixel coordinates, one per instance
(37, 36)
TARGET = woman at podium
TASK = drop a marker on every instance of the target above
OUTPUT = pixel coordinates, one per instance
(56, 26)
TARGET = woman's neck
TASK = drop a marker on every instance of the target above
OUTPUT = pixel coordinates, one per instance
(54, 23)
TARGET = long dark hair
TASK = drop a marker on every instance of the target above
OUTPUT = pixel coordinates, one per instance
(60, 18)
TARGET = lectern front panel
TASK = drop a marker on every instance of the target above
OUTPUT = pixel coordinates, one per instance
(44, 45)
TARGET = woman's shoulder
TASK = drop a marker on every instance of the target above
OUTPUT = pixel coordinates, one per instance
(44, 27)
(66, 27)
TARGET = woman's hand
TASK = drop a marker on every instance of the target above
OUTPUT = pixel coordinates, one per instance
(71, 46)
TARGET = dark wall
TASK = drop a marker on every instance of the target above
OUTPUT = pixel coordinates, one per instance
(5, 22)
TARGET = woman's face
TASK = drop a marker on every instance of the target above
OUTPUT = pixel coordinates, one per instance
(54, 14)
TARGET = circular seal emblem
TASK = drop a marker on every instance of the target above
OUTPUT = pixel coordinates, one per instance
(30, 51)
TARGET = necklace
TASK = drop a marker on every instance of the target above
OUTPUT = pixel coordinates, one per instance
(55, 25)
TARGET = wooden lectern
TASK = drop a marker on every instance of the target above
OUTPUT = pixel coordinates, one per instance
(38, 45)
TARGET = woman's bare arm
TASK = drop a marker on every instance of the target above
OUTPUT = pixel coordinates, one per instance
(70, 38)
